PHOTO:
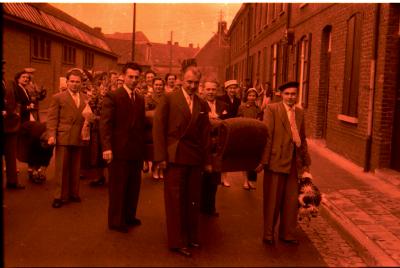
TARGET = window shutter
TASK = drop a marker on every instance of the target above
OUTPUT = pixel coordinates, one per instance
(307, 77)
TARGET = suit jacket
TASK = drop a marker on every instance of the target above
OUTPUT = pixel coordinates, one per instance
(65, 120)
(232, 107)
(12, 120)
(122, 125)
(181, 137)
(279, 148)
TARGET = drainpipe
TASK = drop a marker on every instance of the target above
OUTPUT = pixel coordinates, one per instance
(249, 20)
(368, 150)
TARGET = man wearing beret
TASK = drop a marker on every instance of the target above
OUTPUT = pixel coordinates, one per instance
(285, 157)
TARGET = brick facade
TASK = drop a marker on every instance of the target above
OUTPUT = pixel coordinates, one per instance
(321, 36)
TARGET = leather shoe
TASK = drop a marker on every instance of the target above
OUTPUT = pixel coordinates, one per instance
(183, 251)
(268, 241)
(194, 245)
(57, 203)
(100, 182)
(121, 229)
(290, 241)
(15, 186)
(75, 199)
(134, 222)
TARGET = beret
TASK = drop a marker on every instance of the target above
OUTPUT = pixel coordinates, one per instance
(230, 83)
(288, 85)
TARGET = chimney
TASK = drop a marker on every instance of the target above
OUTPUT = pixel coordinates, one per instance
(97, 29)
(176, 44)
(168, 42)
(190, 45)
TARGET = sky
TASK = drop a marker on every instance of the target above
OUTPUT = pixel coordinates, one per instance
(191, 23)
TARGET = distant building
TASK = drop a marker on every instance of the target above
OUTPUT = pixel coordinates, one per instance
(162, 58)
(51, 41)
(346, 58)
(212, 57)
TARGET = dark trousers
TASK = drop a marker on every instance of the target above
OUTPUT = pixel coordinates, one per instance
(182, 190)
(124, 186)
(251, 175)
(280, 200)
(10, 156)
(67, 168)
(211, 180)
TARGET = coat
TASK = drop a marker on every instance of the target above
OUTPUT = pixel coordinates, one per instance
(232, 107)
(181, 137)
(278, 150)
(65, 120)
(122, 125)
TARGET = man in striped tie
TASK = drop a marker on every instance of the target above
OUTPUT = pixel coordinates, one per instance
(285, 158)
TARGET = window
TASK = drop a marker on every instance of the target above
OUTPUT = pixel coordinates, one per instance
(88, 59)
(274, 66)
(352, 66)
(69, 55)
(273, 12)
(266, 14)
(303, 69)
(41, 48)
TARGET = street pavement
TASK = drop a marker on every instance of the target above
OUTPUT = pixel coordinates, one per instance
(35, 234)
(362, 205)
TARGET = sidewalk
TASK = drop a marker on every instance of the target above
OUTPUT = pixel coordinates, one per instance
(363, 206)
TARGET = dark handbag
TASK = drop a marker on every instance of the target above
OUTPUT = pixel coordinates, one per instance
(11, 123)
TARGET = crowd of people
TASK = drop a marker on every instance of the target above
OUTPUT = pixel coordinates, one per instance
(98, 122)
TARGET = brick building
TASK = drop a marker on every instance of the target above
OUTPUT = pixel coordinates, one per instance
(211, 58)
(162, 58)
(346, 59)
(51, 41)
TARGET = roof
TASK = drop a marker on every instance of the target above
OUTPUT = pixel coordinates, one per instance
(237, 16)
(159, 53)
(48, 17)
(140, 37)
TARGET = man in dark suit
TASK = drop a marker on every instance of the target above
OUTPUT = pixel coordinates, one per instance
(218, 110)
(180, 135)
(11, 123)
(64, 126)
(284, 159)
(122, 136)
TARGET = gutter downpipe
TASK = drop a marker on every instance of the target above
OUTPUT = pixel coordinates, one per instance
(372, 80)
(249, 20)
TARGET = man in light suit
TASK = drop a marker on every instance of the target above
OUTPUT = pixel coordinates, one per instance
(284, 159)
(64, 126)
(180, 136)
(122, 137)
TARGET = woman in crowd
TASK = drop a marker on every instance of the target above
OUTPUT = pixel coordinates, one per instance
(250, 109)
(158, 93)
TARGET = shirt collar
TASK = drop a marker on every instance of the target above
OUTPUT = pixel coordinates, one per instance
(128, 90)
(288, 108)
(73, 94)
(187, 96)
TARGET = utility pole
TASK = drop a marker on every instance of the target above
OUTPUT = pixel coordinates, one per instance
(134, 32)
(170, 54)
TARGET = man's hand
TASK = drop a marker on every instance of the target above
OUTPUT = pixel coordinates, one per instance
(107, 155)
(259, 168)
(162, 165)
(51, 141)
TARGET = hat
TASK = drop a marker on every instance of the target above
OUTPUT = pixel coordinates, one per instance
(288, 85)
(252, 89)
(30, 70)
(230, 83)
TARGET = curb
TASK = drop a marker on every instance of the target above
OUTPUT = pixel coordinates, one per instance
(371, 253)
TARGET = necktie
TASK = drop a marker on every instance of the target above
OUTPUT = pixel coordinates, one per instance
(132, 95)
(76, 99)
(293, 128)
(189, 101)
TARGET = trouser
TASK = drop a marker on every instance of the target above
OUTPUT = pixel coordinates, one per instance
(124, 187)
(209, 191)
(182, 188)
(67, 168)
(280, 200)
(10, 156)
